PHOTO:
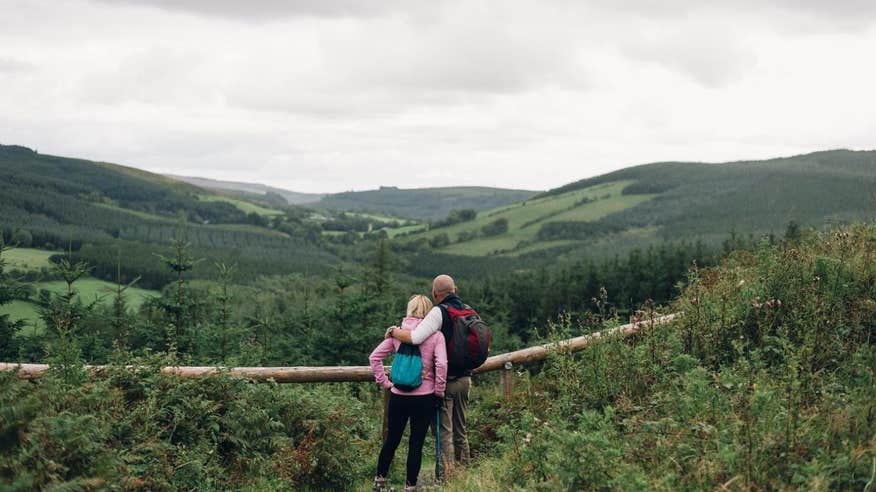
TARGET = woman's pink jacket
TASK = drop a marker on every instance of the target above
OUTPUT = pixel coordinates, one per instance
(434, 353)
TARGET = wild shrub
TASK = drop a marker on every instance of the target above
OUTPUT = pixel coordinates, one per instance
(135, 428)
(767, 382)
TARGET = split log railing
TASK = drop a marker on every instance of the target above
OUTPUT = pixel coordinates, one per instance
(337, 374)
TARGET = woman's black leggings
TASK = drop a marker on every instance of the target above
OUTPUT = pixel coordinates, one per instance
(420, 410)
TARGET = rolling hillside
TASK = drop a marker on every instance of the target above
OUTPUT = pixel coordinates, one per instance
(418, 203)
(423, 203)
(100, 210)
(665, 201)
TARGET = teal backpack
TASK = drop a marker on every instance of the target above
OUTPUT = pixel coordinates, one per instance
(407, 368)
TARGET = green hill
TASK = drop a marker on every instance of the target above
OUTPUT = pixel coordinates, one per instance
(423, 203)
(100, 210)
(664, 201)
(105, 211)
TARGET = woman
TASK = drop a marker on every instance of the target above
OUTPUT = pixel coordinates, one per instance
(418, 404)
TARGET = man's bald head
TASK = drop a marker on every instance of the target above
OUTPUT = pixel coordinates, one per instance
(442, 286)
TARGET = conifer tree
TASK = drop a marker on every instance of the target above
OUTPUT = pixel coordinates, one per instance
(9, 289)
(226, 273)
(120, 320)
(61, 315)
(179, 304)
(380, 280)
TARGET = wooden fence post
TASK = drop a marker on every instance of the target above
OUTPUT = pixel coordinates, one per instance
(507, 379)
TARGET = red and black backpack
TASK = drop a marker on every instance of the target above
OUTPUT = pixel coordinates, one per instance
(468, 343)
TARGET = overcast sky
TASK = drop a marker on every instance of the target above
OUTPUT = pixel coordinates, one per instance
(333, 95)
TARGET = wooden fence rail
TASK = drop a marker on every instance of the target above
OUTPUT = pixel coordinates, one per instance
(363, 373)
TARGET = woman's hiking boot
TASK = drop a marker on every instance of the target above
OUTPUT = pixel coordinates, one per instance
(379, 484)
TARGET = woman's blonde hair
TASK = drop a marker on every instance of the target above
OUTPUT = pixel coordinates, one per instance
(418, 306)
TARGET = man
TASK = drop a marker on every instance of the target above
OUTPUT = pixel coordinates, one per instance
(454, 439)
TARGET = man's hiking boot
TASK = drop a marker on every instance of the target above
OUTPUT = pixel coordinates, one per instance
(411, 488)
(379, 484)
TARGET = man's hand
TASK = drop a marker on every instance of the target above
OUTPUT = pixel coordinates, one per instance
(403, 336)
(388, 333)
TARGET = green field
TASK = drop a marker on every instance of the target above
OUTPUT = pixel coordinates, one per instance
(27, 258)
(242, 205)
(525, 219)
(27, 312)
(89, 290)
(405, 230)
(375, 217)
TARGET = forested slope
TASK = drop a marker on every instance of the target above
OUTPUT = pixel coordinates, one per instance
(752, 196)
(651, 203)
(423, 203)
(100, 209)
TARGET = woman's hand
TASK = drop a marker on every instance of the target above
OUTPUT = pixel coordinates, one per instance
(388, 333)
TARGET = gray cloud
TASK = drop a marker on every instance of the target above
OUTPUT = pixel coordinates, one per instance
(709, 55)
(11, 65)
(778, 10)
(847, 12)
(263, 10)
(330, 96)
(156, 76)
(460, 60)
